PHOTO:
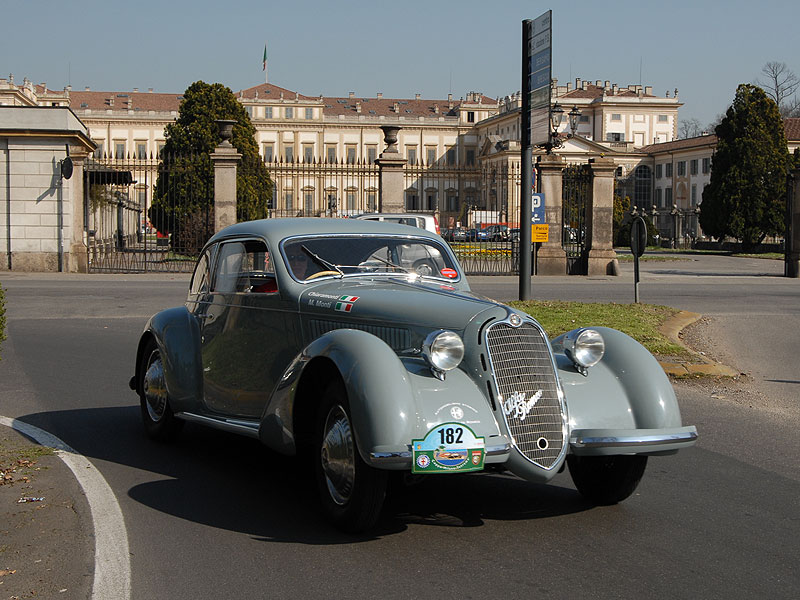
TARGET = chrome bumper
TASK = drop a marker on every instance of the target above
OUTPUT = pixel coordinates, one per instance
(631, 441)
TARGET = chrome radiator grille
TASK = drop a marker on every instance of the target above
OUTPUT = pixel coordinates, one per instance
(525, 379)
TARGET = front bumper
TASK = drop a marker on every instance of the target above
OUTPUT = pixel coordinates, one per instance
(598, 442)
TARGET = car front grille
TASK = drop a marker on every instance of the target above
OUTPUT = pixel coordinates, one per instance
(526, 381)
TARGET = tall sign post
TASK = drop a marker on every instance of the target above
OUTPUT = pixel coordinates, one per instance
(536, 76)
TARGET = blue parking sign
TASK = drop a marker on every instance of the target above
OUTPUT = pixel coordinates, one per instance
(537, 203)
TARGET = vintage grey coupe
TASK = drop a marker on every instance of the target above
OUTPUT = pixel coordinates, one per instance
(359, 347)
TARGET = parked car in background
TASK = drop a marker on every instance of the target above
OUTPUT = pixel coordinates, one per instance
(477, 235)
(359, 347)
(459, 234)
(421, 220)
(496, 233)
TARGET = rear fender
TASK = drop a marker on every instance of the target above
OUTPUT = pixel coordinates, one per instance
(177, 334)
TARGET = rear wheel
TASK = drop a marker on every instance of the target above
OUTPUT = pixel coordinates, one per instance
(351, 491)
(606, 480)
(159, 421)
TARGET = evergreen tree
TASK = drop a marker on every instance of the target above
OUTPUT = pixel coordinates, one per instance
(184, 195)
(746, 195)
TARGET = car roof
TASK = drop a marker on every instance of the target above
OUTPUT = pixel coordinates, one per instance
(275, 230)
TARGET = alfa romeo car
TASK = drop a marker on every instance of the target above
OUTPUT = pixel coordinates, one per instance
(359, 347)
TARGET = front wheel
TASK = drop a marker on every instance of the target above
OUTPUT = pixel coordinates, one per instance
(159, 421)
(351, 491)
(606, 480)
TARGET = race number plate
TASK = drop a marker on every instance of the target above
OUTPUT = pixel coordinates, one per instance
(449, 447)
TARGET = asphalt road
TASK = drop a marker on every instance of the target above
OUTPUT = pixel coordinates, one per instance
(216, 516)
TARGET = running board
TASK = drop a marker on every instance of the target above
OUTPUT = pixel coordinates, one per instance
(240, 426)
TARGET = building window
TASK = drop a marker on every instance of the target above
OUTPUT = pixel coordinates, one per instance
(119, 149)
(583, 119)
(288, 153)
(269, 155)
(470, 116)
(411, 154)
(450, 157)
(101, 148)
(668, 197)
(267, 112)
(308, 153)
(659, 198)
(452, 202)
(658, 171)
(694, 195)
(668, 170)
(372, 154)
(141, 150)
(470, 157)
(309, 113)
(430, 154)
(161, 146)
(372, 202)
(288, 200)
(351, 154)
(681, 168)
(430, 198)
(616, 117)
(615, 137)
(351, 201)
(693, 167)
(412, 201)
(289, 112)
(663, 119)
(706, 165)
(250, 111)
(308, 202)
(330, 154)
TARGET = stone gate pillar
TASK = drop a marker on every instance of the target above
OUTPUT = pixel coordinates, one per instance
(390, 178)
(551, 258)
(793, 262)
(79, 237)
(225, 158)
(600, 219)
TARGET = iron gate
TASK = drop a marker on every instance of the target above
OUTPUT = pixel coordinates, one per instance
(575, 186)
(128, 200)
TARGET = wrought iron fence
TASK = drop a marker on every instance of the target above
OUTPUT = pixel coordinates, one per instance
(575, 186)
(145, 214)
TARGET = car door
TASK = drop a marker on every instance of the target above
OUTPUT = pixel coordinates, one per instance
(246, 341)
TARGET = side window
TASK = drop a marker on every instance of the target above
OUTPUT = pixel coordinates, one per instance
(201, 276)
(244, 267)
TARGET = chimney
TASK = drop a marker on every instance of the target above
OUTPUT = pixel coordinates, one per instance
(149, 90)
(417, 96)
(607, 84)
(648, 90)
(380, 95)
(352, 95)
(135, 90)
(577, 83)
(569, 86)
(615, 89)
(87, 89)
(436, 109)
(598, 83)
(449, 97)
(358, 107)
(396, 107)
(583, 84)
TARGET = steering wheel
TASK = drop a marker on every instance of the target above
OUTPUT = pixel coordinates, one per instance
(320, 274)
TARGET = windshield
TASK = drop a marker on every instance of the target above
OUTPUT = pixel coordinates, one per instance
(309, 258)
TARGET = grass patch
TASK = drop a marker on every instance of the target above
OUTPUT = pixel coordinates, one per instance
(640, 321)
(766, 255)
(628, 258)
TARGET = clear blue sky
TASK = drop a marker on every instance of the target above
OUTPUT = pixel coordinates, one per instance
(402, 47)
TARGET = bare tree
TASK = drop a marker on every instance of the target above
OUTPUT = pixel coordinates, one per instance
(780, 84)
(689, 128)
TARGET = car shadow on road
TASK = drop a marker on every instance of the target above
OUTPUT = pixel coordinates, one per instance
(235, 483)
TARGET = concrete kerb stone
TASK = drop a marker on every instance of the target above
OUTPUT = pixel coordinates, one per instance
(699, 365)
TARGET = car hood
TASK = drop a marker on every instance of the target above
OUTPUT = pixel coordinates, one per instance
(396, 300)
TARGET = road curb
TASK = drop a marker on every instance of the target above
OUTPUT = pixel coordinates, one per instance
(699, 365)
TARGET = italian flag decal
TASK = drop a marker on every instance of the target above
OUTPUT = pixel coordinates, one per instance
(345, 303)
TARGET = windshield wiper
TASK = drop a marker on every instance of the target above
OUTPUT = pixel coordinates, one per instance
(391, 264)
(321, 261)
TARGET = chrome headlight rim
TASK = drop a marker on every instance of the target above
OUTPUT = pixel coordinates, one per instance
(585, 347)
(443, 349)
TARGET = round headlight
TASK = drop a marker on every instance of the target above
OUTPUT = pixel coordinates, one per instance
(444, 350)
(586, 347)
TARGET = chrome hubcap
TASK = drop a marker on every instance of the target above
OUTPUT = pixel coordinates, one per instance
(338, 455)
(155, 388)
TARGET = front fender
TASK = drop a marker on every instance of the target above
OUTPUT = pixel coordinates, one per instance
(392, 400)
(627, 391)
(177, 334)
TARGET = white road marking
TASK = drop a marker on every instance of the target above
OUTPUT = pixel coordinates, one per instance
(112, 568)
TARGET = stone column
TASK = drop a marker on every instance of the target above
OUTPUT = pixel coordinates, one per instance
(551, 258)
(225, 158)
(600, 219)
(390, 163)
(793, 264)
(78, 258)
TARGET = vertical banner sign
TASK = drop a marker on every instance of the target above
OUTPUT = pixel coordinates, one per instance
(539, 76)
